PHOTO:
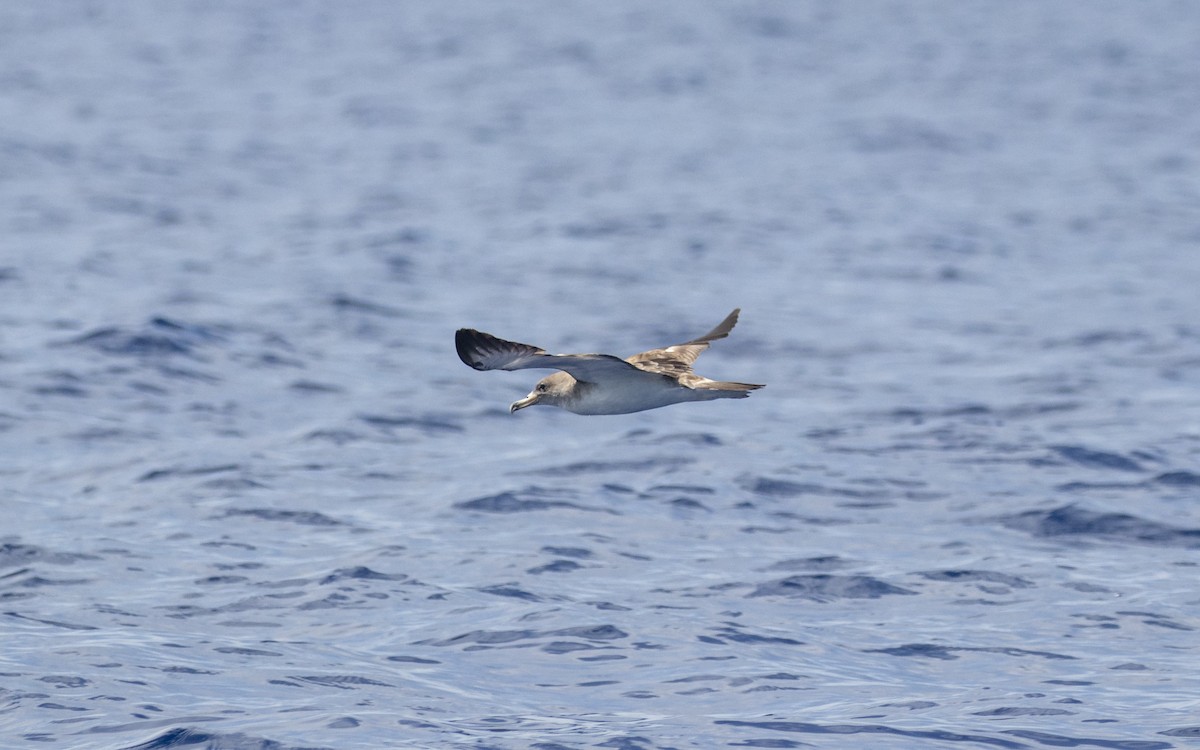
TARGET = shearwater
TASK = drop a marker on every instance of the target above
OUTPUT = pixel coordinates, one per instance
(602, 383)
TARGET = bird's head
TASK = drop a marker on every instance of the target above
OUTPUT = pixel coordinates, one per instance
(552, 390)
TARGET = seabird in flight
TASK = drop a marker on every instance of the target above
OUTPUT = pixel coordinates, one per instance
(602, 383)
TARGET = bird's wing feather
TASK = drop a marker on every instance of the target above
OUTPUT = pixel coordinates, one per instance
(676, 360)
(484, 351)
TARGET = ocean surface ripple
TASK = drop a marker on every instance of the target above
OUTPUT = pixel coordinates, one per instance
(254, 501)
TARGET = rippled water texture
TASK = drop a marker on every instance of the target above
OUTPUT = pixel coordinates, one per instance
(252, 499)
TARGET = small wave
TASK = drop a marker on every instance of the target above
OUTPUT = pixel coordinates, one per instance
(1072, 520)
(476, 639)
(935, 651)
(811, 728)
(158, 337)
(1096, 459)
(526, 500)
(592, 467)
(986, 576)
(302, 517)
(822, 587)
(194, 738)
(427, 423)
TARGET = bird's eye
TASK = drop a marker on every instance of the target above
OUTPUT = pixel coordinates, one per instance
(541, 388)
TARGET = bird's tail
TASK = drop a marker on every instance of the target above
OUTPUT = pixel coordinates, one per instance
(726, 389)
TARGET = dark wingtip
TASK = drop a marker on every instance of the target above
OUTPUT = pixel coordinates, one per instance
(465, 341)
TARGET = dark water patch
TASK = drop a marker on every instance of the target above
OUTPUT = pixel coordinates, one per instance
(40, 582)
(61, 707)
(922, 650)
(1008, 711)
(1099, 486)
(1059, 740)
(809, 728)
(239, 651)
(556, 566)
(412, 660)
(197, 471)
(149, 389)
(194, 738)
(233, 484)
(301, 517)
(609, 606)
(736, 633)
(1020, 411)
(475, 639)
(910, 705)
(769, 487)
(429, 423)
(823, 587)
(102, 434)
(347, 303)
(1156, 620)
(918, 416)
(687, 503)
(591, 632)
(333, 601)
(690, 438)
(340, 681)
(1074, 521)
(568, 647)
(483, 638)
(579, 553)
(158, 337)
(1096, 459)
(65, 682)
(809, 520)
(269, 360)
(1097, 338)
(1189, 732)
(1178, 479)
(825, 562)
(510, 591)
(618, 489)
(63, 383)
(14, 553)
(361, 573)
(175, 372)
(1070, 683)
(525, 501)
(678, 496)
(592, 467)
(934, 651)
(312, 386)
(1018, 652)
(226, 543)
(184, 670)
(979, 412)
(974, 576)
(687, 489)
(337, 437)
(696, 678)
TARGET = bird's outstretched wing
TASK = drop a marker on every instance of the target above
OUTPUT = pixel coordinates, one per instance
(483, 351)
(676, 360)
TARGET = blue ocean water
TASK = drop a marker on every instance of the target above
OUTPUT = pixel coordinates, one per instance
(252, 499)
